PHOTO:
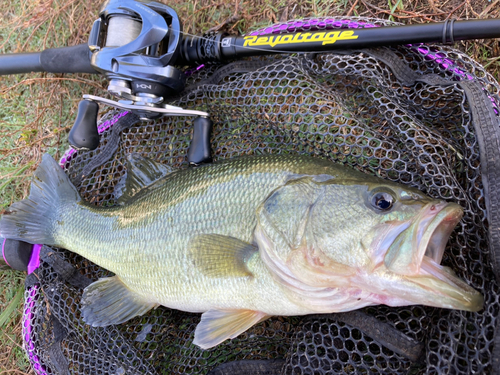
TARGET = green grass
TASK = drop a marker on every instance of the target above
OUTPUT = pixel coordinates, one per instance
(37, 110)
(12, 356)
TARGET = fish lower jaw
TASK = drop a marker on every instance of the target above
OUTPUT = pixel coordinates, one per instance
(434, 285)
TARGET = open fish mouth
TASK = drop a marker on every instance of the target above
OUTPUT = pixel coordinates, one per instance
(433, 233)
(416, 255)
(423, 238)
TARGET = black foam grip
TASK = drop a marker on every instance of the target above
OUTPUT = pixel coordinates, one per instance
(200, 151)
(75, 59)
(17, 254)
(84, 134)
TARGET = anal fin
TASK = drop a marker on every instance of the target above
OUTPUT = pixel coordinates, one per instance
(219, 325)
(109, 301)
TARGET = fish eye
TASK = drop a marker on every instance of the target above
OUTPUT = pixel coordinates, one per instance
(382, 201)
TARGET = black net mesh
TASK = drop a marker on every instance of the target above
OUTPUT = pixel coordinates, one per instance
(351, 108)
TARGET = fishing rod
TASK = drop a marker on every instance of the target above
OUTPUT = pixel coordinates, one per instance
(138, 46)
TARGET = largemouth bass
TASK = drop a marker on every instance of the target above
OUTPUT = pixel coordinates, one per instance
(245, 239)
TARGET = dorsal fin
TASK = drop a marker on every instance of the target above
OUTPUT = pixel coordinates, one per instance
(141, 173)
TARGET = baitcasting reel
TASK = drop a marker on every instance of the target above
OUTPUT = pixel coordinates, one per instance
(134, 44)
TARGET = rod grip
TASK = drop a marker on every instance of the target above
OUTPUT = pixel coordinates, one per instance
(74, 59)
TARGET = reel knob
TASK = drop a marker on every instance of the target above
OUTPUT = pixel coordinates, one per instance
(200, 151)
(84, 134)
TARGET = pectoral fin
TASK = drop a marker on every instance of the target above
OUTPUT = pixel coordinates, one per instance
(109, 301)
(221, 256)
(219, 325)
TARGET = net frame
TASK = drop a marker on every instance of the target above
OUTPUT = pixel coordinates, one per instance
(445, 62)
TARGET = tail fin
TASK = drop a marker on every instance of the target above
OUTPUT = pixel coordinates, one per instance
(34, 219)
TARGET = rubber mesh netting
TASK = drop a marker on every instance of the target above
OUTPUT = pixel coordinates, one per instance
(421, 115)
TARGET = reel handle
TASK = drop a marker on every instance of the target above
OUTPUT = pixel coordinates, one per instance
(200, 151)
(84, 134)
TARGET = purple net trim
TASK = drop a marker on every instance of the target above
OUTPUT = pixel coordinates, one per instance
(190, 72)
(313, 24)
(3, 251)
(29, 345)
(35, 258)
(449, 65)
(101, 129)
(446, 63)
